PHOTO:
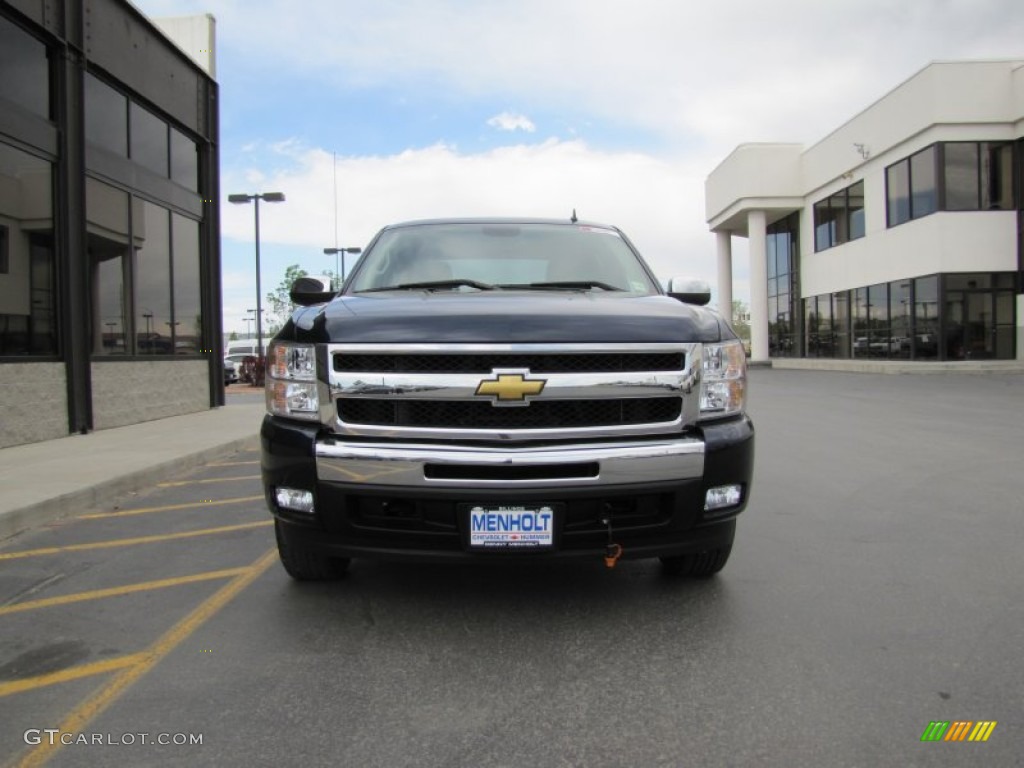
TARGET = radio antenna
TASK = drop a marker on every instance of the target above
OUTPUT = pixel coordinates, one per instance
(573, 218)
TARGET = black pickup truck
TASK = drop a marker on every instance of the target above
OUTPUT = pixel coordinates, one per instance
(483, 389)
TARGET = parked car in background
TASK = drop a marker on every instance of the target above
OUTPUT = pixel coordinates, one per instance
(230, 371)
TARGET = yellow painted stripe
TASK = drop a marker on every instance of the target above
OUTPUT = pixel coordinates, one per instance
(233, 463)
(986, 730)
(169, 507)
(131, 542)
(179, 483)
(98, 594)
(71, 673)
(89, 709)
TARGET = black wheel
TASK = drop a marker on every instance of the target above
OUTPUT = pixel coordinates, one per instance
(303, 563)
(700, 565)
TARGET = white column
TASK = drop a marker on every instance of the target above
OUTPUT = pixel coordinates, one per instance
(724, 241)
(757, 232)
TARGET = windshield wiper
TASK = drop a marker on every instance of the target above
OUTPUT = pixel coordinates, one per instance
(432, 285)
(563, 285)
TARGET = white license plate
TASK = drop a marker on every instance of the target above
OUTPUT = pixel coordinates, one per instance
(508, 527)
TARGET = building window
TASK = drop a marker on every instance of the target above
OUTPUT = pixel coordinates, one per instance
(926, 318)
(184, 160)
(28, 310)
(151, 240)
(108, 248)
(911, 187)
(148, 140)
(188, 321)
(839, 218)
(26, 79)
(783, 302)
(106, 116)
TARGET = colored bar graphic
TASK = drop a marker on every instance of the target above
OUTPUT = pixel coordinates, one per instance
(983, 730)
(958, 730)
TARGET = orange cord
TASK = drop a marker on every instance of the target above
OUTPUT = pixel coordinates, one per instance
(611, 560)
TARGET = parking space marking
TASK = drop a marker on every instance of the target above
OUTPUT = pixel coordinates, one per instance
(71, 673)
(95, 704)
(233, 463)
(98, 594)
(168, 508)
(180, 483)
(131, 542)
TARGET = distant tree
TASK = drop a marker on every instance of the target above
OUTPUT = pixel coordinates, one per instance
(279, 304)
(233, 336)
(741, 319)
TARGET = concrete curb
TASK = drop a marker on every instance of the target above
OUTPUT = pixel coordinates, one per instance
(102, 493)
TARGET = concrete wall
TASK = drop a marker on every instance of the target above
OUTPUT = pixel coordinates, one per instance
(35, 403)
(132, 391)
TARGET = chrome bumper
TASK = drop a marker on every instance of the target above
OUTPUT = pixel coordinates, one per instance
(447, 466)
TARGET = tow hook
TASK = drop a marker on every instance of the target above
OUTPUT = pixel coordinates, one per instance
(613, 551)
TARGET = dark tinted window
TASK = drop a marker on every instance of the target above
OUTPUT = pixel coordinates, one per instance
(108, 247)
(149, 140)
(960, 173)
(923, 187)
(855, 202)
(106, 116)
(897, 193)
(25, 79)
(187, 312)
(184, 160)
(153, 321)
(996, 176)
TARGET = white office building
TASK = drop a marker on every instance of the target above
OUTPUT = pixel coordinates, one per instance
(900, 235)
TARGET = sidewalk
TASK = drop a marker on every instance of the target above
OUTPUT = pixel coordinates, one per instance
(44, 481)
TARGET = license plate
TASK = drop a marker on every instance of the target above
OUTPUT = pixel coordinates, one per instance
(511, 527)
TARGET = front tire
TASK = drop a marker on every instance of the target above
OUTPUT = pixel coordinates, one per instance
(304, 563)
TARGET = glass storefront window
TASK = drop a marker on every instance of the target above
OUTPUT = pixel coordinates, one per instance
(26, 78)
(187, 307)
(900, 319)
(108, 248)
(28, 305)
(151, 239)
(106, 116)
(926, 317)
(148, 140)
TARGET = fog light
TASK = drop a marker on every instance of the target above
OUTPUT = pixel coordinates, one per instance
(721, 497)
(293, 498)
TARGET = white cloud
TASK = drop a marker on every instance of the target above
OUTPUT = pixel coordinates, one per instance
(510, 121)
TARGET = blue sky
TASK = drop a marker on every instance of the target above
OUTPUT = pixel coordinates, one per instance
(426, 108)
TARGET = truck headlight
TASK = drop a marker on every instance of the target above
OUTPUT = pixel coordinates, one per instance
(291, 381)
(723, 386)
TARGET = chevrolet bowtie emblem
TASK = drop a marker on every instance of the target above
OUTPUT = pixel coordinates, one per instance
(510, 388)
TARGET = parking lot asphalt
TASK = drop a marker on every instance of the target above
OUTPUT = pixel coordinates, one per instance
(874, 589)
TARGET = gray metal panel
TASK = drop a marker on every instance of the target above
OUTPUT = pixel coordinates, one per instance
(123, 43)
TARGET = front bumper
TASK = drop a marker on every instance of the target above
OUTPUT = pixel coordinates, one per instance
(374, 498)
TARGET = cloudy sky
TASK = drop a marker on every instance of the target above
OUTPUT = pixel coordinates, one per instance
(407, 109)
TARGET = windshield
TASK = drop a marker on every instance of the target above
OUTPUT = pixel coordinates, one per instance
(473, 257)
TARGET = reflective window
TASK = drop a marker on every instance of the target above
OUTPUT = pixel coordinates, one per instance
(823, 226)
(855, 204)
(960, 173)
(782, 333)
(151, 241)
(184, 160)
(924, 194)
(897, 193)
(900, 318)
(106, 116)
(26, 79)
(841, 322)
(926, 317)
(187, 308)
(996, 177)
(148, 140)
(108, 248)
(28, 306)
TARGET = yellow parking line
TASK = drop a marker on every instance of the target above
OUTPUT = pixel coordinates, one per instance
(84, 713)
(127, 589)
(233, 463)
(130, 542)
(179, 483)
(71, 673)
(169, 507)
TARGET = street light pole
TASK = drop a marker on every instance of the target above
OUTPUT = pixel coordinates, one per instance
(270, 197)
(340, 252)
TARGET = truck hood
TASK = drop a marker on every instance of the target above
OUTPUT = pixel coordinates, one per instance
(506, 317)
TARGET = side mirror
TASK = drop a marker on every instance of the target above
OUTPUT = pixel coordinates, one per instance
(307, 291)
(689, 290)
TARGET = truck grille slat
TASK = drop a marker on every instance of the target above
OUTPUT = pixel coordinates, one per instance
(485, 363)
(550, 414)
